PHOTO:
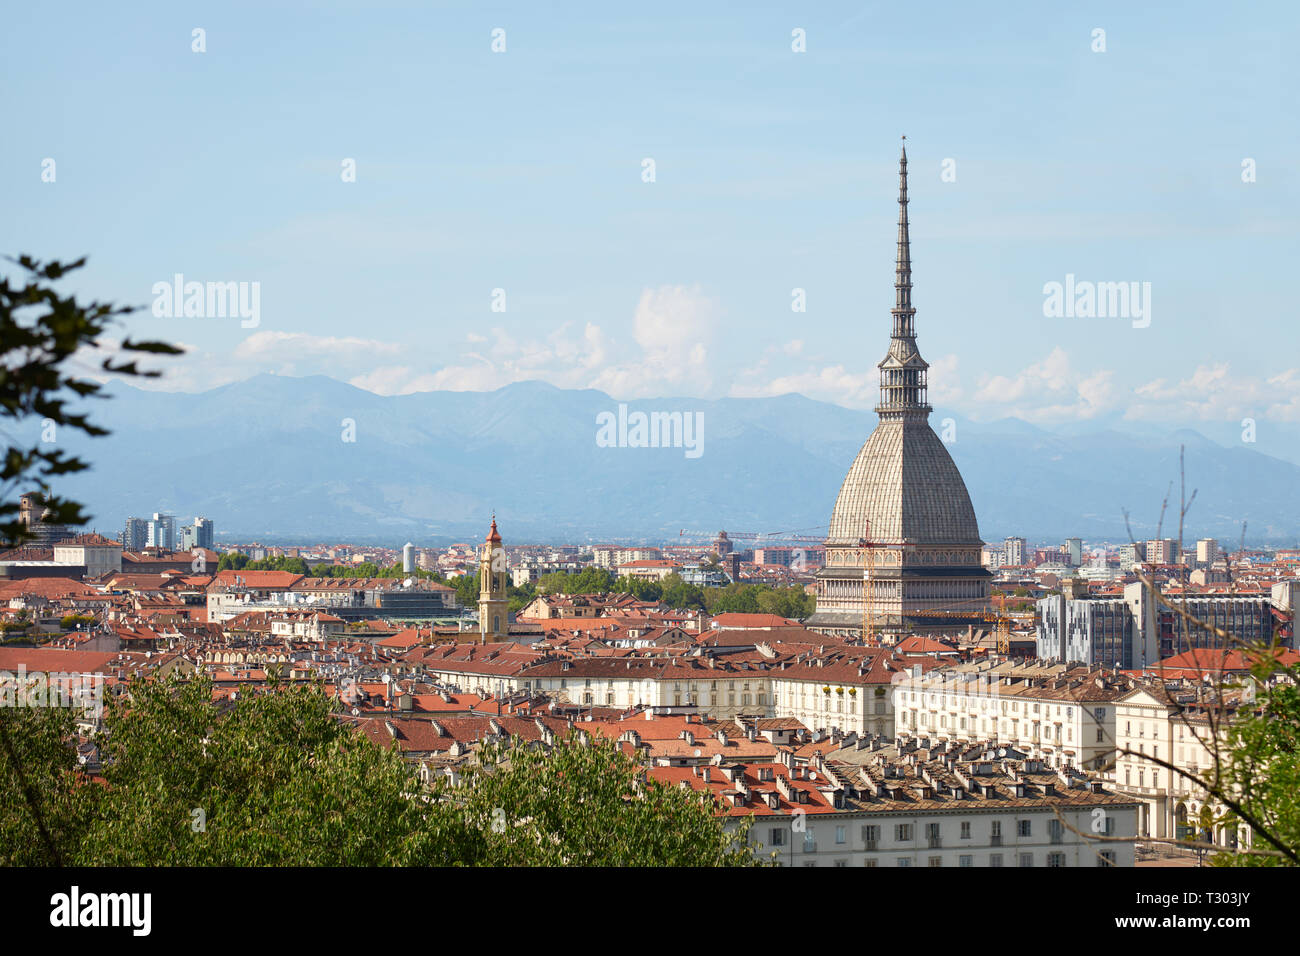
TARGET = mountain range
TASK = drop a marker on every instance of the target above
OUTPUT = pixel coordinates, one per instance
(277, 458)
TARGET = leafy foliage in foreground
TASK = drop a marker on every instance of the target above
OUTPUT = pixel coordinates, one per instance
(40, 330)
(1261, 768)
(280, 781)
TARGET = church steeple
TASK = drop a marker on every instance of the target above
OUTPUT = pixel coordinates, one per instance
(902, 371)
(493, 600)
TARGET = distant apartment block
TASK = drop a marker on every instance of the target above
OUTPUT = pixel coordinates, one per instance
(135, 534)
(162, 532)
(1162, 551)
(1131, 555)
(1136, 630)
(787, 556)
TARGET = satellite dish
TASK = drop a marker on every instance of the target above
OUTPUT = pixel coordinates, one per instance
(698, 752)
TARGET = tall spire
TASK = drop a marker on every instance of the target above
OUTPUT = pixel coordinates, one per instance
(903, 311)
(903, 371)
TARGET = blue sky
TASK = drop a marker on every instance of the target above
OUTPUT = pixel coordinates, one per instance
(774, 170)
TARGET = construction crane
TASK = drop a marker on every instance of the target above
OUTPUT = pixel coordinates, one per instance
(758, 536)
(1000, 620)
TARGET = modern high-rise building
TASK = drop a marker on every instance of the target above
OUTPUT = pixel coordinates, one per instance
(162, 532)
(1073, 549)
(1162, 551)
(1207, 551)
(1137, 630)
(202, 532)
(135, 535)
(903, 541)
(1013, 551)
(1132, 554)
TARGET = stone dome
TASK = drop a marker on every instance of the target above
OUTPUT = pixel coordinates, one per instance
(906, 484)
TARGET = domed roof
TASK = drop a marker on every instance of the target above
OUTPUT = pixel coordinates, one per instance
(906, 484)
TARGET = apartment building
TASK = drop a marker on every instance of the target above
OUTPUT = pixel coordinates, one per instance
(1137, 629)
(933, 806)
(1063, 715)
(723, 689)
(847, 690)
(1181, 725)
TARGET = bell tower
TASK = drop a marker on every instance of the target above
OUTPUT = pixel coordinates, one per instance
(493, 603)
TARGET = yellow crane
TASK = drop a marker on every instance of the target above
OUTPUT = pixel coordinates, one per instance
(1000, 619)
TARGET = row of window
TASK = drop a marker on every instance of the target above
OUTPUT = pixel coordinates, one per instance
(1102, 858)
(905, 833)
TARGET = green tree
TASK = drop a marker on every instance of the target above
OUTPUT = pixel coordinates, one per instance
(467, 590)
(587, 803)
(278, 563)
(640, 588)
(1260, 772)
(43, 810)
(590, 580)
(280, 781)
(520, 597)
(680, 595)
(734, 598)
(233, 561)
(276, 782)
(39, 332)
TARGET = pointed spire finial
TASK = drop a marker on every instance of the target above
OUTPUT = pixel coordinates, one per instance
(903, 371)
(903, 311)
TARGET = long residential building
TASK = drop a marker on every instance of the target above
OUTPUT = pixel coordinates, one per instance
(934, 806)
(1064, 715)
(1184, 726)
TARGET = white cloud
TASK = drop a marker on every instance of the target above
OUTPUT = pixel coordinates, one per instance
(1047, 390)
(945, 382)
(833, 383)
(1213, 393)
(672, 326)
(294, 346)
